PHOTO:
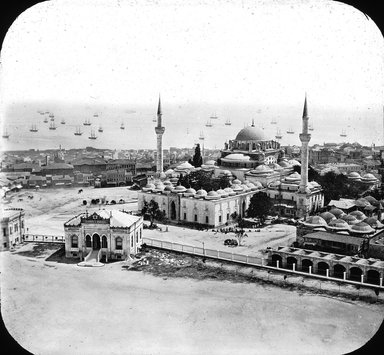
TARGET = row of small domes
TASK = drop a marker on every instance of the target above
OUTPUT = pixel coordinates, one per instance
(355, 221)
(237, 187)
(356, 176)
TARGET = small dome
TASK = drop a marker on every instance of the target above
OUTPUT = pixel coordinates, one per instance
(276, 166)
(163, 175)
(362, 262)
(354, 174)
(362, 202)
(337, 212)
(372, 200)
(369, 176)
(190, 190)
(294, 162)
(327, 216)
(200, 193)
(373, 222)
(351, 220)
(274, 184)
(185, 166)
(226, 173)
(362, 227)
(252, 186)
(229, 191)
(167, 183)
(258, 184)
(250, 133)
(236, 182)
(245, 187)
(338, 224)
(313, 221)
(359, 215)
(237, 188)
(169, 172)
(179, 188)
(236, 156)
(168, 188)
(212, 195)
(346, 259)
(294, 176)
(222, 193)
(261, 169)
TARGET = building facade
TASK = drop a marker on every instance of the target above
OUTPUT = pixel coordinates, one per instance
(12, 227)
(116, 234)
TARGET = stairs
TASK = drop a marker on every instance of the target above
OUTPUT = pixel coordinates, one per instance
(91, 260)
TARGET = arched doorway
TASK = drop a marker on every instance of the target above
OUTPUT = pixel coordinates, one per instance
(96, 241)
(355, 274)
(104, 243)
(88, 241)
(338, 271)
(173, 210)
(373, 277)
(290, 261)
(322, 268)
(305, 264)
(276, 258)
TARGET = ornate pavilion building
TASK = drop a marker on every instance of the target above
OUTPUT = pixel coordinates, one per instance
(106, 234)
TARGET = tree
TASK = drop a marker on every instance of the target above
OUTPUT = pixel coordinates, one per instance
(197, 159)
(260, 206)
(152, 210)
(240, 233)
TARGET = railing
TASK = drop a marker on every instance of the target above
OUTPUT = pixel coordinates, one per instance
(245, 259)
(43, 238)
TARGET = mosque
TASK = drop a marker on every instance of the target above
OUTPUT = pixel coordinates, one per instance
(253, 163)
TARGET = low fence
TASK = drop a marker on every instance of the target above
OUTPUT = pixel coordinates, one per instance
(245, 260)
(43, 238)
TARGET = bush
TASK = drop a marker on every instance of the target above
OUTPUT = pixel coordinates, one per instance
(231, 242)
(113, 202)
(84, 202)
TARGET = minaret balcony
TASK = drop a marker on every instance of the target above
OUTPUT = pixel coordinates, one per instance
(159, 130)
(305, 137)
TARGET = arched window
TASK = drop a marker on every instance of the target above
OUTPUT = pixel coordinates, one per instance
(74, 241)
(104, 243)
(119, 243)
(88, 241)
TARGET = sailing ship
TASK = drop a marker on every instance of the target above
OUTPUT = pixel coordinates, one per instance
(278, 134)
(6, 134)
(122, 125)
(343, 133)
(62, 121)
(52, 126)
(51, 116)
(273, 121)
(209, 123)
(46, 119)
(290, 131)
(154, 119)
(214, 117)
(33, 128)
(87, 122)
(100, 129)
(310, 128)
(92, 136)
(78, 132)
(228, 122)
(95, 115)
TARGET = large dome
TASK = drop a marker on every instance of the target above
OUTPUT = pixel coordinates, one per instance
(250, 133)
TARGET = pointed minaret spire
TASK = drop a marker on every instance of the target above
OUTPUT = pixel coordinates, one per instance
(159, 129)
(305, 110)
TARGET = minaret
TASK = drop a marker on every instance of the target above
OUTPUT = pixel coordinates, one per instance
(305, 137)
(159, 129)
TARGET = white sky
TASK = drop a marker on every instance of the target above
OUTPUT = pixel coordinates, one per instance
(118, 52)
(238, 52)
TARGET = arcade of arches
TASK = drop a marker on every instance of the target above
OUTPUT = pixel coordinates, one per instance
(332, 265)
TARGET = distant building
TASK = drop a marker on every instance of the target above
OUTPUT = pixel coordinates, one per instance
(115, 234)
(90, 165)
(57, 169)
(12, 227)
